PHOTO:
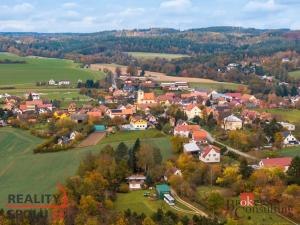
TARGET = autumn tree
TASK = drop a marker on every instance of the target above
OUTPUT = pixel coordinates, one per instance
(177, 143)
(132, 70)
(215, 201)
(294, 171)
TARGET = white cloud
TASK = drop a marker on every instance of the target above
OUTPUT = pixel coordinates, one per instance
(23, 8)
(70, 5)
(176, 4)
(262, 5)
(19, 8)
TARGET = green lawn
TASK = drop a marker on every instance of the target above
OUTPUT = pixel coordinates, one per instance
(135, 201)
(218, 86)
(150, 55)
(290, 152)
(42, 69)
(295, 74)
(21, 171)
(291, 115)
(133, 135)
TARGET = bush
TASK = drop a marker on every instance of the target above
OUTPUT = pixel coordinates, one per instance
(124, 188)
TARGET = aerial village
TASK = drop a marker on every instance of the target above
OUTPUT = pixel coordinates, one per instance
(206, 125)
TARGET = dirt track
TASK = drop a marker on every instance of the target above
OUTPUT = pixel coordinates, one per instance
(154, 75)
(92, 139)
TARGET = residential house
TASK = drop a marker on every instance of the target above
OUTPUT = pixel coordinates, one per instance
(136, 182)
(51, 82)
(64, 83)
(287, 126)
(138, 124)
(232, 123)
(185, 130)
(121, 112)
(34, 96)
(248, 98)
(95, 113)
(72, 108)
(282, 163)
(289, 139)
(234, 96)
(79, 117)
(35, 105)
(199, 136)
(210, 154)
(192, 111)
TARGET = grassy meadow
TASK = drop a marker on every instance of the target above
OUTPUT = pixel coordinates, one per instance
(151, 55)
(65, 95)
(290, 152)
(295, 74)
(216, 86)
(21, 171)
(42, 69)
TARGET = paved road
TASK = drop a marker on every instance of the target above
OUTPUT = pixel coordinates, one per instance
(211, 139)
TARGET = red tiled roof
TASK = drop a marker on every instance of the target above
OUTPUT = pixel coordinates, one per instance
(199, 135)
(190, 107)
(277, 162)
(190, 128)
(234, 95)
(207, 150)
(149, 96)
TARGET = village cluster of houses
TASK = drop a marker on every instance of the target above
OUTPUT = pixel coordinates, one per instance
(59, 82)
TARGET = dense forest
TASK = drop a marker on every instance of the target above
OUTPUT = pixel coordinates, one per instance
(210, 50)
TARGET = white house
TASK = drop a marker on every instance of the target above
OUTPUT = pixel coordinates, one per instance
(185, 130)
(63, 82)
(232, 123)
(51, 82)
(289, 139)
(35, 96)
(210, 154)
(138, 124)
(136, 181)
(192, 111)
(288, 126)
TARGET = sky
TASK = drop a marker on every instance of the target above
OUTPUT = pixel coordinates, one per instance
(98, 15)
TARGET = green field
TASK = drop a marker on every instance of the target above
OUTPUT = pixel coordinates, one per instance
(291, 115)
(216, 86)
(150, 55)
(295, 74)
(21, 171)
(65, 95)
(290, 152)
(42, 69)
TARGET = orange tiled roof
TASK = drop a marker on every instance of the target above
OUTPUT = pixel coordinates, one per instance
(199, 135)
(149, 96)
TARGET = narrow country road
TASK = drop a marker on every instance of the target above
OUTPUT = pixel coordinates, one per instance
(211, 139)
